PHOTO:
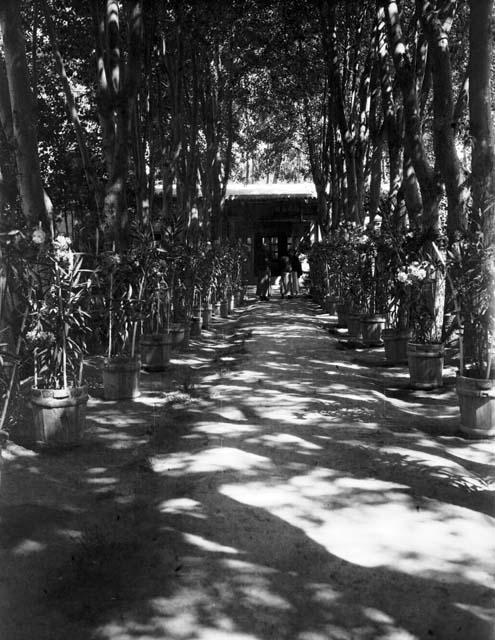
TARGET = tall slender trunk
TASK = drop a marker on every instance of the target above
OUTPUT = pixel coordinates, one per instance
(483, 148)
(348, 137)
(33, 203)
(428, 179)
(8, 185)
(71, 107)
(437, 31)
(391, 114)
(116, 98)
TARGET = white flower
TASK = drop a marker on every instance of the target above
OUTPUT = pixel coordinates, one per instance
(38, 337)
(62, 242)
(65, 255)
(421, 274)
(39, 236)
(402, 277)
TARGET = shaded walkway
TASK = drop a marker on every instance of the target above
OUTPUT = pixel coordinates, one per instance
(298, 492)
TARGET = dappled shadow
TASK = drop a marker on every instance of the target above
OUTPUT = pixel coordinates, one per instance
(283, 495)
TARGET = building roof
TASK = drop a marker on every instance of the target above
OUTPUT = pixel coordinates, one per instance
(263, 191)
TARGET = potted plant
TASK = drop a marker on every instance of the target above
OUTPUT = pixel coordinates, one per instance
(475, 384)
(397, 333)
(354, 266)
(336, 277)
(59, 289)
(125, 287)
(373, 281)
(395, 285)
(223, 287)
(239, 255)
(157, 335)
(425, 350)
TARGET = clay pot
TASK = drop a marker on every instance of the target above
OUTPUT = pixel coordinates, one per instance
(195, 327)
(371, 330)
(58, 415)
(425, 363)
(354, 325)
(342, 310)
(224, 309)
(477, 406)
(207, 316)
(155, 351)
(121, 378)
(395, 344)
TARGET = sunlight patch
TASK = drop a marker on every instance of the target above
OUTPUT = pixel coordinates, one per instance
(286, 438)
(208, 545)
(247, 567)
(230, 412)
(225, 428)
(370, 523)
(27, 546)
(181, 506)
(483, 613)
(209, 460)
(219, 634)
(438, 466)
(257, 595)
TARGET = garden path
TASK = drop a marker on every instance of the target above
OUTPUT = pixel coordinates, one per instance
(297, 491)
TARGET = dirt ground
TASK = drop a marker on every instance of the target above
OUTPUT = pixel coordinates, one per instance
(293, 489)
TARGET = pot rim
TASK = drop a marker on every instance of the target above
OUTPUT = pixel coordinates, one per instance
(79, 390)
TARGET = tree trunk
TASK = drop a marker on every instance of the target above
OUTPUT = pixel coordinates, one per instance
(429, 183)
(392, 117)
(483, 142)
(33, 203)
(118, 85)
(8, 185)
(71, 107)
(376, 177)
(411, 192)
(437, 31)
(335, 80)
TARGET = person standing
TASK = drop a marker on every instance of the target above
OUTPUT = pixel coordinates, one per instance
(263, 274)
(296, 272)
(285, 276)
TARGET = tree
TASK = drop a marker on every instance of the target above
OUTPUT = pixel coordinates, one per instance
(34, 202)
(117, 88)
(483, 146)
(437, 19)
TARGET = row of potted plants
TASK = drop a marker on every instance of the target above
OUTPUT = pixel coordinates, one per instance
(131, 307)
(413, 294)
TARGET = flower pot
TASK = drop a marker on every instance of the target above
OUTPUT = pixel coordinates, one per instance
(176, 333)
(196, 311)
(216, 308)
(425, 365)
(121, 378)
(341, 314)
(477, 406)
(330, 304)
(354, 325)
(224, 309)
(58, 415)
(195, 327)
(207, 315)
(184, 344)
(395, 344)
(155, 351)
(371, 330)
(237, 299)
